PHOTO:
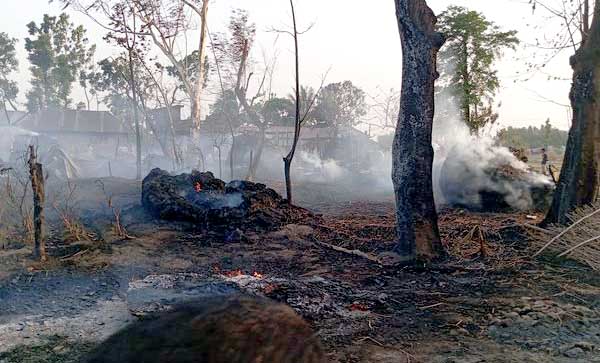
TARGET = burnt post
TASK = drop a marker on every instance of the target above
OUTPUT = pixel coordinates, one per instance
(36, 174)
(412, 154)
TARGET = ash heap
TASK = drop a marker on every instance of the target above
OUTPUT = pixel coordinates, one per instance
(206, 201)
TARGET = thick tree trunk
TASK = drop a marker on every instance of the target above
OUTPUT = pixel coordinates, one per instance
(416, 215)
(37, 185)
(578, 183)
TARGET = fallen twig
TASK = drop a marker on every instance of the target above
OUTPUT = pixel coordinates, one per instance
(356, 253)
(74, 255)
(431, 306)
(536, 228)
(370, 339)
(579, 245)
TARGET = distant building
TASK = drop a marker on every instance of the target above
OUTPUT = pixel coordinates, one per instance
(345, 144)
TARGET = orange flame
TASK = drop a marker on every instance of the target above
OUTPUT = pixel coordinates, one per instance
(258, 275)
(233, 273)
(198, 187)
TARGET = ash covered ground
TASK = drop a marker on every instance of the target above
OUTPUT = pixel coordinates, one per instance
(489, 303)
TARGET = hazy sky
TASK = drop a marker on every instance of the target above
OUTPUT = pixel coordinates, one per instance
(358, 40)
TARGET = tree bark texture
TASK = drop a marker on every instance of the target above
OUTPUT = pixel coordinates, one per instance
(416, 215)
(197, 98)
(36, 174)
(578, 183)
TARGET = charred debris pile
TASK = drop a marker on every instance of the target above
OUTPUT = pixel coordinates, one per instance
(210, 203)
(491, 179)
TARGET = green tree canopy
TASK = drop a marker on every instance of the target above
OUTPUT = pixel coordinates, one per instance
(278, 111)
(467, 62)
(58, 51)
(8, 64)
(340, 104)
(225, 112)
(114, 82)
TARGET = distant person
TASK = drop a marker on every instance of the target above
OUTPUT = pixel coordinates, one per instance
(230, 329)
(544, 162)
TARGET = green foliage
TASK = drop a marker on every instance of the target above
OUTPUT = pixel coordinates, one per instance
(467, 62)
(8, 65)
(114, 81)
(189, 65)
(278, 111)
(340, 104)
(223, 112)
(57, 51)
(533, 137)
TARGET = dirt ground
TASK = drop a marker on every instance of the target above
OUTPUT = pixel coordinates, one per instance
(489, 302)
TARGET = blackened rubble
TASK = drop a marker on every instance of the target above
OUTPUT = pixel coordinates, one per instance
(497, 187)
(210, 202)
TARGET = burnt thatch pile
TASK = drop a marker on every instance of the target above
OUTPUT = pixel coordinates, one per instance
(499, 184)
(209, 202)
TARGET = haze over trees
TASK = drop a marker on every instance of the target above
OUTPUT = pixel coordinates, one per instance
(468, 72)
(533, 137)
(153, 71)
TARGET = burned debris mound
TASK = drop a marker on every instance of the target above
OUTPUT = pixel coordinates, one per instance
(207, 201)
(499, 183)
(236, 328)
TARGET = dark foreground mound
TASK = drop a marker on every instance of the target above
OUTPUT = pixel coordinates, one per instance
(234, 329)
(203, 199)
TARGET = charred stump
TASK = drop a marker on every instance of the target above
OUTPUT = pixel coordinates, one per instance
(416, 215)
(579, 177)
(36, 174)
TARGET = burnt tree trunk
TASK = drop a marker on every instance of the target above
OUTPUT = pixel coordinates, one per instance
(37, 185)
(416, 215)
(255, 161)
(578, 183)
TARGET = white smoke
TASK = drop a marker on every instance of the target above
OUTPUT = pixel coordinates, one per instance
(466, 165)
(325, 170)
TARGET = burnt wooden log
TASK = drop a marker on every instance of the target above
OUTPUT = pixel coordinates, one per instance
(416, 215)
(234, 329)
(36, 175)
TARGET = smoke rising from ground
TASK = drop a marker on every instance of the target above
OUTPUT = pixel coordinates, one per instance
(466, 165)
(358, 169)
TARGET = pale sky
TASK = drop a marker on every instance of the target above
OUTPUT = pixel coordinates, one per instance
(356, 40)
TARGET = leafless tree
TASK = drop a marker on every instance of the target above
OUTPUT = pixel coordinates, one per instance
(299, 118)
